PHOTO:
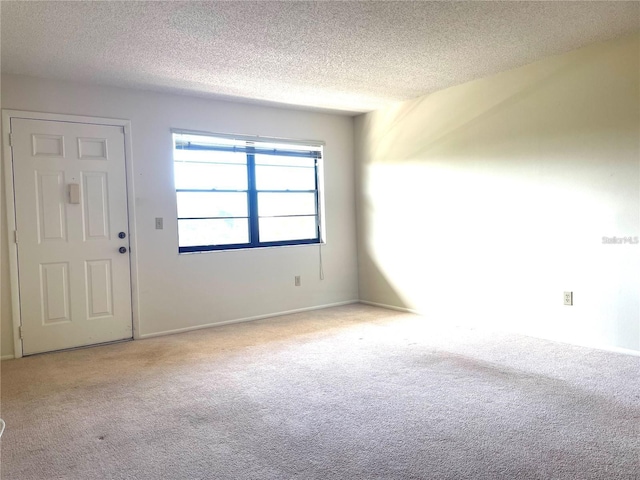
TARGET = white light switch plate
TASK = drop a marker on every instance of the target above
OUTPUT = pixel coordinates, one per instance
(568, 298)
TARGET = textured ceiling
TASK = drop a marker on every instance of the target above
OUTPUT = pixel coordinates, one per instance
(345, 56)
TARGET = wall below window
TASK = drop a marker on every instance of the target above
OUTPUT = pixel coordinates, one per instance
(481, 204)
(185, 291)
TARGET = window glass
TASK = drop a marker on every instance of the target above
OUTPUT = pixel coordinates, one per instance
(211, 204)
(279, 204)
(285, 178)
(213, 156)
(210, 176)
(285, 161)
(274, 229)
(206, 232)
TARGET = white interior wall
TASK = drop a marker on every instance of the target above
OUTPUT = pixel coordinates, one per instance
(184, 291)
(483, 203)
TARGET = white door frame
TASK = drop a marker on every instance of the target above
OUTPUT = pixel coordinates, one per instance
(7, 115)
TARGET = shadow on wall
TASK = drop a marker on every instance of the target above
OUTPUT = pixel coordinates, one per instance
(482, 203)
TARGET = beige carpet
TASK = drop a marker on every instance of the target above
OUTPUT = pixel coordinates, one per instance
(352, 392)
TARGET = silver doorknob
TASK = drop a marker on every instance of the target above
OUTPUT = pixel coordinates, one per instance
(122, 249)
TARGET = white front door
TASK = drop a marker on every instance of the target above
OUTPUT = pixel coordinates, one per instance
(72, 234)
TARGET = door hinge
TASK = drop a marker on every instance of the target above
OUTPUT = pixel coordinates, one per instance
(11, 139)
(15, 236)
(20, 332)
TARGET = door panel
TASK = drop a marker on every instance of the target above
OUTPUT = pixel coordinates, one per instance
(71, 202)
(51, 211)
(96, 205)
(99, 280)
(54, 290)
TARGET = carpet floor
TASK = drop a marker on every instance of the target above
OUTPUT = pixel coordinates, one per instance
(353, 392)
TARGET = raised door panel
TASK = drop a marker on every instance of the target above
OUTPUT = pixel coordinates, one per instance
(54, 293)
(51, 213)
(99, 288)
(95, 192)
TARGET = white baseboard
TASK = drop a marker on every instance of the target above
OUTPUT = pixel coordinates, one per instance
(7, 357)
(246, 319)
(390, 307)
(606, 348)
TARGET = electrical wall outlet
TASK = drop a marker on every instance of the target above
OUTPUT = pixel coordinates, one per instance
(297, 280)
(159, 223)
(568, 298)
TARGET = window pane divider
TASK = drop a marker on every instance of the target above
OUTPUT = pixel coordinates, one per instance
(205, 162)
(289, 216)
(254, 227)
(284, 166)
(210, 190)
(286, 191)
(249, 138)
(211, 218)
(249, 150)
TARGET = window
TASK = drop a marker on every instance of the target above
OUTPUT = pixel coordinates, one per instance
(242, 193)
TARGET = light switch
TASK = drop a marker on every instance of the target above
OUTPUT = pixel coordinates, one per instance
(568, 298)
(159, 223)
(74, 193)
